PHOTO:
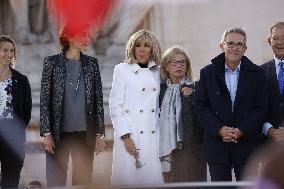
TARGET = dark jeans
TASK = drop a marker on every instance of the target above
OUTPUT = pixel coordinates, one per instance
(12, 152)
(82, 160)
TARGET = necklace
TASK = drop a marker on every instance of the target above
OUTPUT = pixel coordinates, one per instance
(72, 83)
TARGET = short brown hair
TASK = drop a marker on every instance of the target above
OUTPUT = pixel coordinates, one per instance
(68, 32)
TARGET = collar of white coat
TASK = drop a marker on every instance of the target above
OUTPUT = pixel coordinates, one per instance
(136, 67)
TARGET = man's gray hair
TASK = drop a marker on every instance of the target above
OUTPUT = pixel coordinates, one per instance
(276, 25)
(234, 30)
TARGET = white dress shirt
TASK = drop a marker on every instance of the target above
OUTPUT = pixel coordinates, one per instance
(231, 78)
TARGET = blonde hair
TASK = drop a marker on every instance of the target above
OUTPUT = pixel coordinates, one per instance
(6, 38)
(169, 56)
(142, 36)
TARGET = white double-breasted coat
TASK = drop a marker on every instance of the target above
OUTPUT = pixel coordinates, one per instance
(134, 109)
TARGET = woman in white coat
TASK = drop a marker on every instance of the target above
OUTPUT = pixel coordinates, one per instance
(134, 113)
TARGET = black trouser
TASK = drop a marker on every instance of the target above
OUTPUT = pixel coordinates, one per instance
(12, 152)
(223, 172)
(82, 160)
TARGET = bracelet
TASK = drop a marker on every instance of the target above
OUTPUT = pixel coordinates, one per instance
(46, 134)
(102, 136)
(125, 136)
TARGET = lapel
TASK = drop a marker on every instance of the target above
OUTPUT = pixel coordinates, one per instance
(14, 79)
(89, 72)
(219, 65)
(59, 77)
(135, 68)
(15, 84)
(273, 77)
(244, 79)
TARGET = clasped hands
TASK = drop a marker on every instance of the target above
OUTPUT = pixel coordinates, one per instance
(230, 134)
(276, 134)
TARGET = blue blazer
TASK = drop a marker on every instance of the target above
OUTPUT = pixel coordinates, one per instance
(213, 104)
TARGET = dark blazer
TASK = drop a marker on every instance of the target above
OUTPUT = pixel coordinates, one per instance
(52, 93)
(275, 108)
(187, 163)
(22, 105)
(192, 129)
(21, 96)
(214, 110)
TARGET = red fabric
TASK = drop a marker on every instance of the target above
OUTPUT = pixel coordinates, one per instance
(80, 16)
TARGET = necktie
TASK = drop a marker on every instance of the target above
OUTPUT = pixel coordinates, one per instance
(281, 77)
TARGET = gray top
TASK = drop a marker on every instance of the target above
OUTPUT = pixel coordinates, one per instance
(75, 118)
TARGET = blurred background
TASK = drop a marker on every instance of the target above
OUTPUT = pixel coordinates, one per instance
(196, 25)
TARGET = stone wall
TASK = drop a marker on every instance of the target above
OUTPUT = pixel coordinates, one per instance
(197, 25)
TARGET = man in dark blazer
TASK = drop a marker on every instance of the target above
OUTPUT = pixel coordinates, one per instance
(230, 103)
(274, 125)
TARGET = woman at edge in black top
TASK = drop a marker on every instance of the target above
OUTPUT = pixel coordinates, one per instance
(15, 114)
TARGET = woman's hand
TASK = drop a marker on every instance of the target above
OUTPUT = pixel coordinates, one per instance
(48, 144)
(100, 144)
(130, 146)
(186, 91)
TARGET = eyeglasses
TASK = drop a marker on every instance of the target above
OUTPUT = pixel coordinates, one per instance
(175, 63)
(231, 44)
